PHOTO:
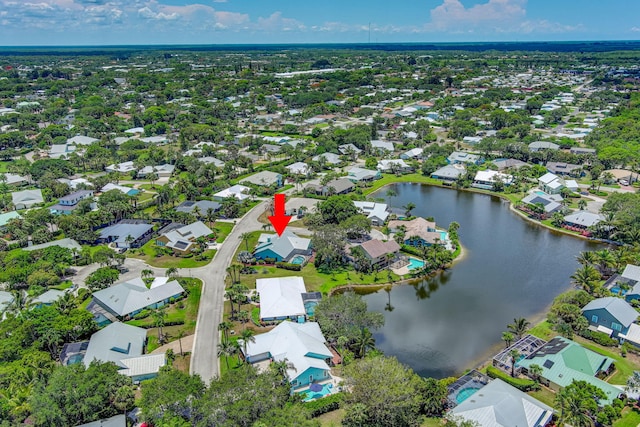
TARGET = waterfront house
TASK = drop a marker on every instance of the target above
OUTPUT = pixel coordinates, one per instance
(356, 174)
(550, 203)
(302, 345)
(67, 204)
(281, 248)
(551, 183)
(124, 345)
(629, 279)
(419, 232)
(611, 315)
(281, 298)
(129, 298)
(461, 157)
(487, 179)
(498, 404)
(183, 240)
(264, 179)
(25, 199)
(563, 361)
(449, 173)
(379, 253)
(392, 165)
(377, 213)
(583, 219)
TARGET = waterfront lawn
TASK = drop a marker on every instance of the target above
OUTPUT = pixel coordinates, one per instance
(543, 330)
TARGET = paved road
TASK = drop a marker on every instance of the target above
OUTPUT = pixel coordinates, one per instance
(204, 357)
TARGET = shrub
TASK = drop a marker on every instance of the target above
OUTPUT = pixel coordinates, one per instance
(324, 405)
(143, 314)
(519, 383)
(600, 338)
(289, 266)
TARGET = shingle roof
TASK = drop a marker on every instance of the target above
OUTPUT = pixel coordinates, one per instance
(498, 404)
(377, 248)
(617, 307)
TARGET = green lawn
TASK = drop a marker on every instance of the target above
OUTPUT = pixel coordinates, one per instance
(334, 419)
(223, 229)
(544, 395)
(4, 166)
(147, 253)
(630, 418)
(543, 330)
(431, 422)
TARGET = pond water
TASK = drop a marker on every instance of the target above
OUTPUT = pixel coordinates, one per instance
(511, 268)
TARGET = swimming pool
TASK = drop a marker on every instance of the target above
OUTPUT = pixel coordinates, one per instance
(310, 307)
(297, 260)
(415, 263)
(309, 395)
(617, 291)
(541, 193)
(466, 393)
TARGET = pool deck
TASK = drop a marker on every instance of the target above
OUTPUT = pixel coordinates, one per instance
(335, 381)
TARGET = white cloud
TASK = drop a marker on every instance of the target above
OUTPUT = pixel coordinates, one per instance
(452, 14)
(635, 29)
(276, 22)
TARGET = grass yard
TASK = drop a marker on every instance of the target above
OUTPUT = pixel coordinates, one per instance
(543, 330)
(334, 418)
(630, 418)
(431, 422)
(4, 166)
(222, 229)
(148, 252)
(544, 395)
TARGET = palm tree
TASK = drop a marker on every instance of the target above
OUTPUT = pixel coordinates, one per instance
(364, 342)
(225, 327)
(146, 273)
(171, 272)
(586, 278)
(408, 208)
(515, 355)
(519, 326)
(247, 336)
(582, 204)
(507, 337)
(245, 237)
(586, 258)
(158, 316)
(535, 371)
(281, 367)
(123, 398)
(243, 316)
(181, 334)
(226, 350)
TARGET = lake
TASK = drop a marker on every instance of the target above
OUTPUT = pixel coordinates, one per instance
(510, 268)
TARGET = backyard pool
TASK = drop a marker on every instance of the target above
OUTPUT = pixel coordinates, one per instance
(310, 307)
(297, 260)
(466, 393)
(415, 263)
(309, 395)
(617, 291)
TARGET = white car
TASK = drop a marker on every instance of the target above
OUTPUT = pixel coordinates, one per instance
(623, 182)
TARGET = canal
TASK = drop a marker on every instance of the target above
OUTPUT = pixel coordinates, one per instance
(510, 268)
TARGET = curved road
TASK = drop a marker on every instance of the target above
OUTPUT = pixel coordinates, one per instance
(204, 356)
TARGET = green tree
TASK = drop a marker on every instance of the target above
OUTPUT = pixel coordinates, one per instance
(519, 326)
(102, 278)
(336, 209)
(578, 403)
(507, 337)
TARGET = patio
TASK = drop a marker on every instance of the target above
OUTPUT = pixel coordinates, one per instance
(525, 347)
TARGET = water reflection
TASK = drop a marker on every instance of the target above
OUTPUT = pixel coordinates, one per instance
(511, 268)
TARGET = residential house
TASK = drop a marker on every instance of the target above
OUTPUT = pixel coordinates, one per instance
(281, 248)
(61, 151)
(563, 361)
(449, 173)
(126, 234)
(298, 168)
(6, 299)
(382, 147)
(184, 239)
(542, 145)
(503, 164)
(564, 169)
(488, 178)
(349, 149)
(550, 203)
(81, 140)
(281, 298)
(414, 153)
(356, 174)
(301, 345)
(208, 160)
(124, 345)
(629, 279)
(472, 140)
(551, 184)
(379, 253)
(6, 217)
(419, 232)
(240, 192)
(25, 199)
(264, 179)
(74, 183)
(581, 150)
(329, 159)
(622, 175)
(14, 180)
(124, 167)
(393, 165)
(498, 404)
(127, 299)
(376, 212)
(115, 421)
(583, 219)
(337, 186)
(66, 243)
(611, 315)
(67, 204)
(47, 298)
(163, 171)
(201, 206)
(129, 191)
(462, 157)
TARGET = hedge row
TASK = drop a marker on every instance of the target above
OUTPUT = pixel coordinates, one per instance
(325, 404)
(600, 338)
(519, 383)
(289, 266)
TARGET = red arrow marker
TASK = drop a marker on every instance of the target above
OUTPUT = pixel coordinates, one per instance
(279, 220)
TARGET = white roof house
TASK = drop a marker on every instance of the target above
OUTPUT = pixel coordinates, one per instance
(301, 344)
(265, 178)
(329, 158)
(388, 164)
(376, 212)
(299, 168)
(47, 298)
(165, 170)
(81, 140)
(126, 190)
(124, 167)
(282, 248)
(238, 191)
(281, 297)
(6, 299)
(182, 239)
(498, 404)
(26, 198)
(486, 179)
(382, 145)
(583, 219)
(129, 298)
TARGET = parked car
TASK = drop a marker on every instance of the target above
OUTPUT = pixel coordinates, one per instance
(623, 182)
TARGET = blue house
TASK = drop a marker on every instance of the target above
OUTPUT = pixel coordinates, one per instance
(68, 204)
(611, 315)
(282, 248)
(300, 344)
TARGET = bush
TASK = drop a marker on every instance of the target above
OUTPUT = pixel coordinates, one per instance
(324, 405)
(519, 383)
(143, 314)
(289, 266)
(600, 338)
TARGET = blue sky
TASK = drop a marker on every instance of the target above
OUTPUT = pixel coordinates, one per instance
(95, 22)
